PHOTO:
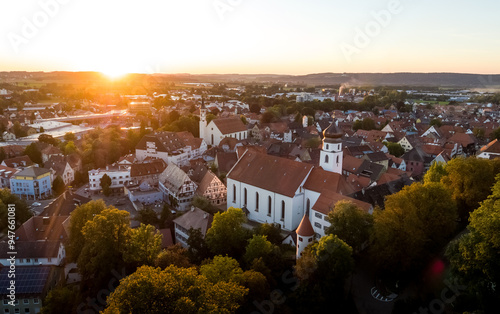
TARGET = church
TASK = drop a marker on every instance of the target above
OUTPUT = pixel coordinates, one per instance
(215, 131)
(279, 190)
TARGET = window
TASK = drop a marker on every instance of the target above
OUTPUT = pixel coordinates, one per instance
(269, 205)
(27, 260)
(282, 210)
(308, 206)
(300, 239)
(326, 217)
(317, 225)
(326, 159)
(318, 215)
(245, 196)
(35, 301)
(327, 146)
(337, 159)
(234, 193)
(26, 310)
(256, 201)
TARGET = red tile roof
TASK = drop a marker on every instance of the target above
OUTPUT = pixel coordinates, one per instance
(275, 174)
(230, 125)
(305, 228)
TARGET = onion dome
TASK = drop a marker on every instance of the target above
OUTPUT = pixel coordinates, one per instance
(332, 132)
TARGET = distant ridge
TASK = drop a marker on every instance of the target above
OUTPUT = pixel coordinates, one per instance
(464, 80)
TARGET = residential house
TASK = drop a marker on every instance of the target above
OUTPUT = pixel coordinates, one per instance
(194, 218)
(32, 183)
(212, 188)
(178, 189)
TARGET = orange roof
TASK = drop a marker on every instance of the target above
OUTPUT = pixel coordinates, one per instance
(230, 125)
(323, 181)
(305, 228)
(275, 174)
(326, 202)
(492, 147)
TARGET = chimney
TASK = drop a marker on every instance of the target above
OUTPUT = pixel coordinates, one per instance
(205, 215)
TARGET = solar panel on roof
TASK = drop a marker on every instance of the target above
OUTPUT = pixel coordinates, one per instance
(29, 280)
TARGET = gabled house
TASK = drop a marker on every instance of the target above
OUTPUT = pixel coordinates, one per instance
(212, 188)
(177, 188)
(193, 218)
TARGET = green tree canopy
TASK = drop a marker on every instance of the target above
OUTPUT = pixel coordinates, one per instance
(271, 230)
(174, 255)
(78, 218)
(350, 223)
(174, 290)
(227, 234)
(415, 224)
(22, 211)
(258, 246)
(143, 246)
(34, 153)
(105, 184)
(475, 256)
(58, 186)
(395, 149)
(105, 239)
(222, 268)
(470, 180)
(326, 262)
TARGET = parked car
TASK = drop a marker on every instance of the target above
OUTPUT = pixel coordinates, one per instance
(36, 204)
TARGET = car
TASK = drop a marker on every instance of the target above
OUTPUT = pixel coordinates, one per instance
(36, 204)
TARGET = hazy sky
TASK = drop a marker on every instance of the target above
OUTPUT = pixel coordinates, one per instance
(250, 36)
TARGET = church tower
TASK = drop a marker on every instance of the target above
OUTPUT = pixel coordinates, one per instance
(305, 235)
(331, 153)
(203, 119)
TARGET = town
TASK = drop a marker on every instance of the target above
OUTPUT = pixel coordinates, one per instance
(257, 196)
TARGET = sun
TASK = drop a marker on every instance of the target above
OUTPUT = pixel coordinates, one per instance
(114, 73)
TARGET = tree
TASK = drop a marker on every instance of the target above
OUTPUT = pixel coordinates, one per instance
(148, 216)
(69, 136)
(395, 149)
(271, 230)
(143, 246)
(495, 134)
(58, 186)
(435, 172)
(3, 155)
(18, 130)
(165, 216)
(105, 240)
(69, 148)
(222, 268)
(350, 223)
(326, 263)
(258, 246)
(210, 117)
(470, 180)
(480, 133)
(254, 108)
(34, 153)
(78, 218)
(105, 184)
(174, 290)
(60, 300)
(174, 255)
(475, 256)
(49, 139)
(21, 209)
(415, 224)
(198, 249)
(227, 234)
(366, 124)
(437, 122)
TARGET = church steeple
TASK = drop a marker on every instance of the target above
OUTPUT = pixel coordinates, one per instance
(203, 118)
(331, 153)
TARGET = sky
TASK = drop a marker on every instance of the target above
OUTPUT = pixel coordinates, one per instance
(250, 36)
